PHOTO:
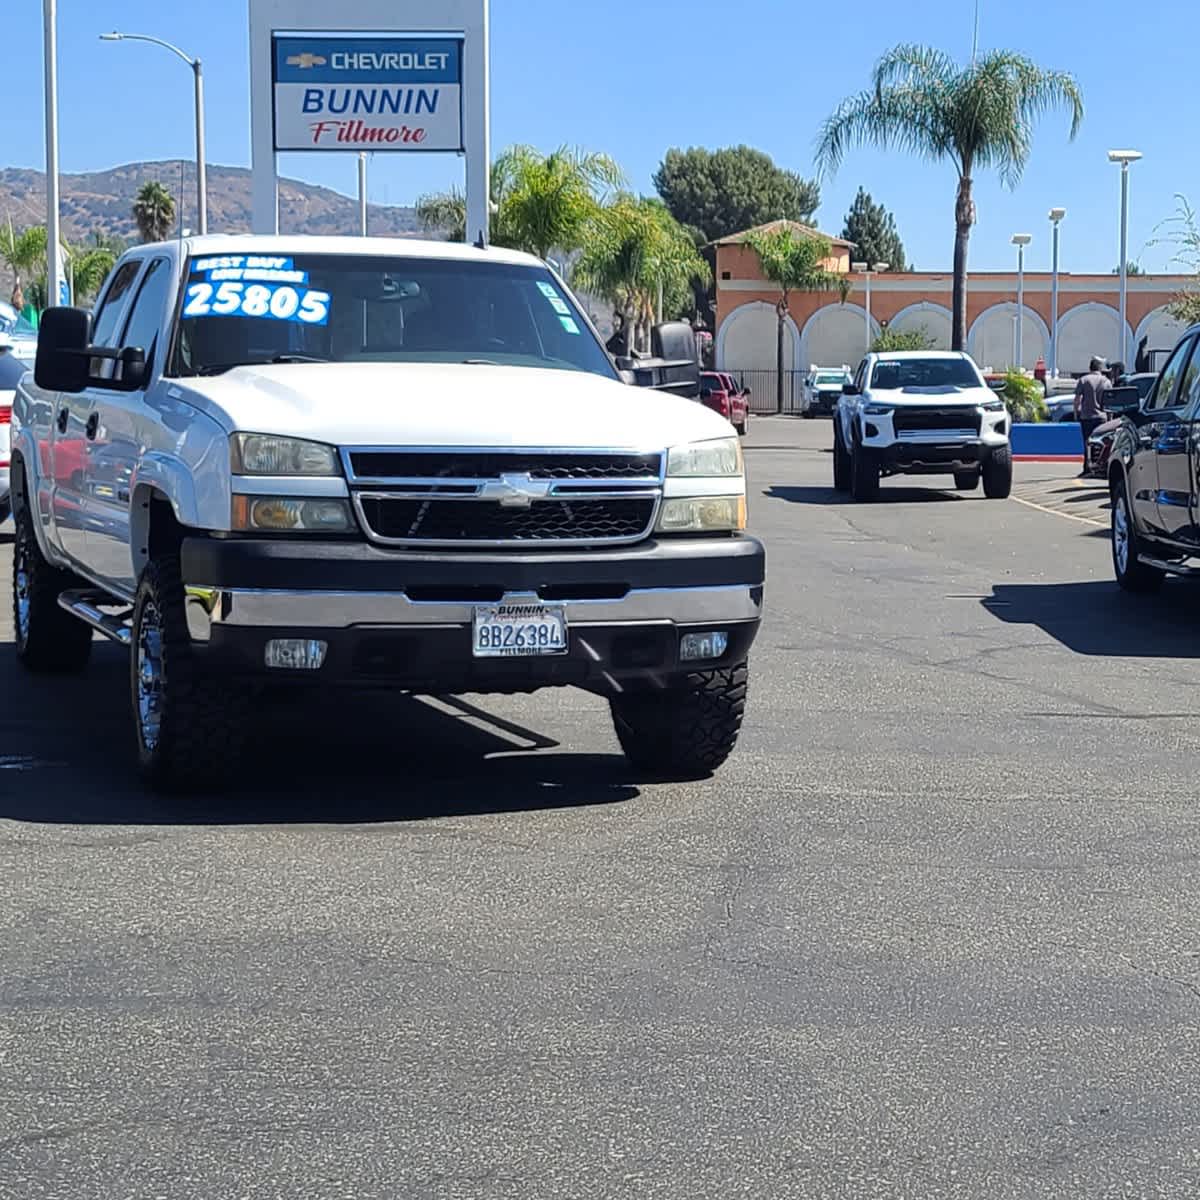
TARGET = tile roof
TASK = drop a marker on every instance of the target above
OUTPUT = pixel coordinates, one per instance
(770, 227)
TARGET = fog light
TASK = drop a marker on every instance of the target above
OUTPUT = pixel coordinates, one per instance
(695, 646)
(296, 654)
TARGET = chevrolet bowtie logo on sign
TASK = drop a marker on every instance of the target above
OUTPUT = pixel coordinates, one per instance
(307, 61)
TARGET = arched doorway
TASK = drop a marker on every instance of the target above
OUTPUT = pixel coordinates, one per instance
(747, 347)
(1087, 331)
(1161, 330)
(835, 336)
(992, 340)
(934, 319)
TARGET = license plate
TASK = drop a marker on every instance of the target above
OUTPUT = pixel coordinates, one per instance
(519, 631)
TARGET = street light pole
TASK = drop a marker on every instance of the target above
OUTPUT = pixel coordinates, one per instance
(1056, 216)
(198, 78)
(868, 269)
(1124, 157)
(1021, 240)
(54, 281)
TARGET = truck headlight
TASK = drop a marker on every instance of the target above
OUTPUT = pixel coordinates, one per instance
(282, 514)
(703, 514)
(720, 457)
(266, 454)
(993, 406)
(877, 410)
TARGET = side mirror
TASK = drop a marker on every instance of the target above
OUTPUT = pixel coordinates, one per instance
(747, 392)
(64, 358)
(62, 362)
(998, 385)
(848, 389)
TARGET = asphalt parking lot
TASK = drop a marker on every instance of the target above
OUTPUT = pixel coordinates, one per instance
(932, 932)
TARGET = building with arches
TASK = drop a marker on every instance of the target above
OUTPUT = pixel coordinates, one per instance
(822, 330)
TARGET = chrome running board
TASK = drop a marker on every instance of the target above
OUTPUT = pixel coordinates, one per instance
(86, 606)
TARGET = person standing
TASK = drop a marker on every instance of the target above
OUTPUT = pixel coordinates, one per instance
(1089, 403)
(23, 309)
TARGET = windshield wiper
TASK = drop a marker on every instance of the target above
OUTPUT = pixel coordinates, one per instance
(220, 368)
(480, 362)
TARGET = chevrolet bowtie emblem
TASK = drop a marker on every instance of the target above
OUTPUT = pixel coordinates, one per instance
(516, 490)
(306, 61)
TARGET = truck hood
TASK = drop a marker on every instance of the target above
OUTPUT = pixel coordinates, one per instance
(940, 397)
(435, 404)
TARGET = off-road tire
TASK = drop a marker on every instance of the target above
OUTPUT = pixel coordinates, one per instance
(1134, 576)
(202, 721)
(966, 481)
(841, 460)
(685, 731)
(744, 428)
(998, 474)
(49, 640)
(864, 475)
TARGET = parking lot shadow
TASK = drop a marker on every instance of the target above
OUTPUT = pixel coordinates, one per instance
(1100, 619)
(804, 494)
(66, 757)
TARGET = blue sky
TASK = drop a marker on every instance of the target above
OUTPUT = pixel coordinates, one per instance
(679, 72)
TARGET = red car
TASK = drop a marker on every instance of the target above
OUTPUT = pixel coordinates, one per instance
(719, 392)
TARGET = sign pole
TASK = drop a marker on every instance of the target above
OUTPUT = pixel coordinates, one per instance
(54, 279)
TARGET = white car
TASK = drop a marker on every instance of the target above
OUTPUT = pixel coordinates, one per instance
(920, 412)
(373, 462)
(822, 390)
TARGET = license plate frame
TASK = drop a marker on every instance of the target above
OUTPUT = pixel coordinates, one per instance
(519, 623)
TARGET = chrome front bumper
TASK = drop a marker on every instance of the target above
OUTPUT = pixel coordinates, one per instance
(331, 610)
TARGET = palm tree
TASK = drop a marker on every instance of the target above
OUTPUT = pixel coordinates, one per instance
(982, 115)
(636, 255)
(23, 253)
(540, 202)
(793, 258)
(154, 212)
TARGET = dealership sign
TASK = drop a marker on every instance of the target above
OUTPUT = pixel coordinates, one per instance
(367, 93)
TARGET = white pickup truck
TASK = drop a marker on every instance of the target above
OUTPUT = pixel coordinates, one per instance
(373, 463)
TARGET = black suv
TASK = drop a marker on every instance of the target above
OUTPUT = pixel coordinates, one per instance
(1154, 474)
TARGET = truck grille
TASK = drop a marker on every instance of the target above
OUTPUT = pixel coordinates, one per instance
(462, 464)
(953, 421)
(468, 521)
(476, 498)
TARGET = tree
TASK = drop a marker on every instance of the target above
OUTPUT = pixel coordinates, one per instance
(23, 253)
(890, 340)
(1131, 268)
(723, 192)
(793, 261)
(872, 229)
(1182, 231)
(541, 202)
(154, 212)
(638, 257)
(982, 115)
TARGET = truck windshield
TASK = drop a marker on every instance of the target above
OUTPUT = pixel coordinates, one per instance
(832, 378)
(244, 309)
(892, 375)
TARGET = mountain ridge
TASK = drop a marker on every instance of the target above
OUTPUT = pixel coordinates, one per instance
(102, 202)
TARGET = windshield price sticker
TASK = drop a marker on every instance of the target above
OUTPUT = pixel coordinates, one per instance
(547, 291)
(560, 307)
(568, 323)
(250, 268)
(262, 301)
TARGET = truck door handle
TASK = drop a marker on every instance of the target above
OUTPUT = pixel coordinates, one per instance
(92, 427)
(64, 415)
